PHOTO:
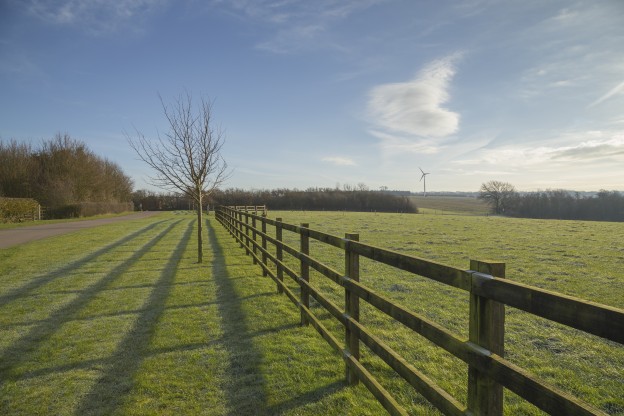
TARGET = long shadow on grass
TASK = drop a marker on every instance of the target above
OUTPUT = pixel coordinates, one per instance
(35, 283)
(245, 391)
(20, 350)
(110, 390)
(309, 397)
(247, 394)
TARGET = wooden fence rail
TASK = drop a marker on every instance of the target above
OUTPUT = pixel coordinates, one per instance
(483, 351)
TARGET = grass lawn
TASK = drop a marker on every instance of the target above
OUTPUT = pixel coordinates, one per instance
(582, 259)
(120, 319)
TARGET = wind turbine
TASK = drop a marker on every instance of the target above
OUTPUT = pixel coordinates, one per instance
(423, 178)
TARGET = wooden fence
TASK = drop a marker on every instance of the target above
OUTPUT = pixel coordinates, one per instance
(489, 292)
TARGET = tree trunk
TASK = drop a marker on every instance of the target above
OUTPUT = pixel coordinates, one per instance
(200, 256)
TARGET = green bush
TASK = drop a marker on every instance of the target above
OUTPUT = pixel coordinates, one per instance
(18, 209)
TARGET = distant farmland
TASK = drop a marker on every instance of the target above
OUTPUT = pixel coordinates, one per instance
(450, 205)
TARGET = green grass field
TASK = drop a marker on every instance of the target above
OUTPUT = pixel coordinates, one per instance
(120, 319)
(582, 259)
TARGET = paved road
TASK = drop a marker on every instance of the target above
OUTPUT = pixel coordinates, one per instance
(15, 236)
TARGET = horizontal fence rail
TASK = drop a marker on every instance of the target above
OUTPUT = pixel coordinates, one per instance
(483, 351)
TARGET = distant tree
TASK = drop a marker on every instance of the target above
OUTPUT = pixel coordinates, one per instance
(17, 169)
(188, 159)
(69, 173)
(562, 204)
(61, 172)
(330, 199)
(499, 195)
(361, 186)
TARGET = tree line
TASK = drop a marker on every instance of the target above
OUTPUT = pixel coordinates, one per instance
(553, 204)
(64, 176)
(317, 199)
(312, 199)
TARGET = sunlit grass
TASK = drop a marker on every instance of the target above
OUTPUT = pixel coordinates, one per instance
(121, 319)
(582, 259)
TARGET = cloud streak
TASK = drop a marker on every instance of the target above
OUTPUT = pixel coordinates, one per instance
(416, 107)
(586, 147)
(339, 161)
(296, 24)
(94, 16)
(618, 89)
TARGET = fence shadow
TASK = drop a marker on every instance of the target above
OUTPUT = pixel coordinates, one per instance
(110, 390)
(245, 392)
(249, 394)
(309, 397)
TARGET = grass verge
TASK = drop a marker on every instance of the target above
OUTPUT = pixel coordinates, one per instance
(6, 226)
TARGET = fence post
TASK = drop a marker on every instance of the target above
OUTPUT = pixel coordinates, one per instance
(278, 253)
(264, 245)
(305, 272)
(352, 307)
(487, 329)
(246, 232)
(239, 226)
(232, 219)
(254, 234)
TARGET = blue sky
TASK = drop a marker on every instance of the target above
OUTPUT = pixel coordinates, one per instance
(315, 93)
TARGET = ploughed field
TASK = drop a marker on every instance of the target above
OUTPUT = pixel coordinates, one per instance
(120, 319)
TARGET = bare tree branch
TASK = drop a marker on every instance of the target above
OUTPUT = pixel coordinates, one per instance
(188, 158)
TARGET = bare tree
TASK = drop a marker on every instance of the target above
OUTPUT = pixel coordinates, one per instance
(188, 158)
(498, 195)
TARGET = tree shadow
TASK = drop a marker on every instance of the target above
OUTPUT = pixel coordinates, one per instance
(111, 389)
(35, 283)
(245, 392)
(18, 351)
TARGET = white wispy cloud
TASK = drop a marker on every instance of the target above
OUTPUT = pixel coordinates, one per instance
(617, 90)
(393, 145)
(339, 160)
(94, 16)
(574, 48)
(292, 39)
(296, 24)
(589, 160)
(281, 11)
(586, 147)
(416, 107)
